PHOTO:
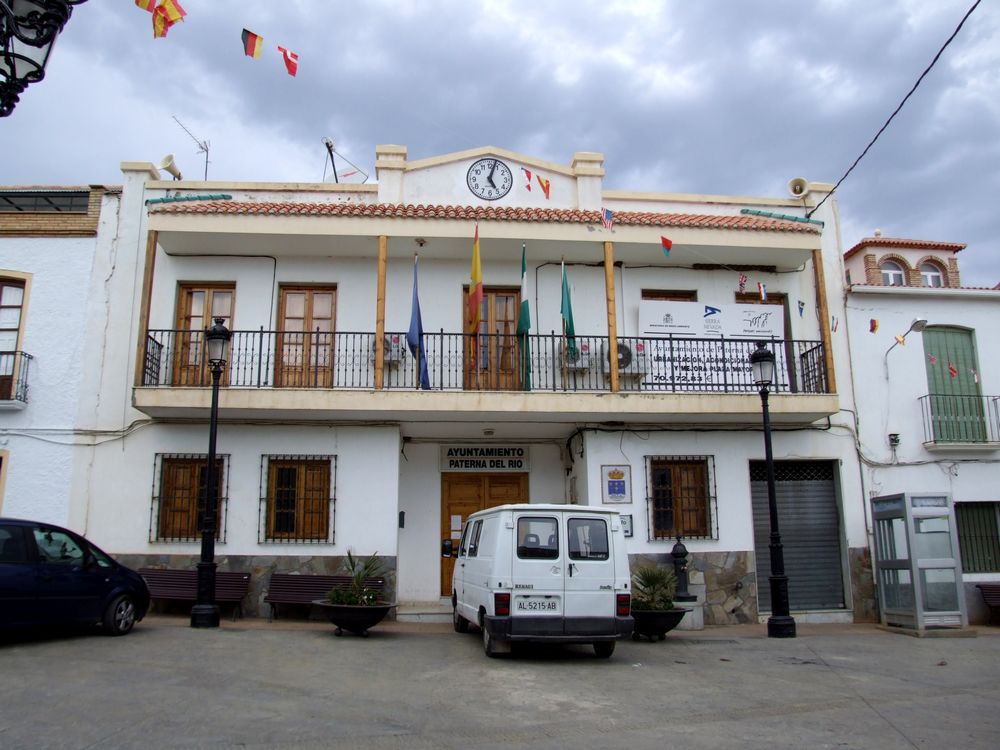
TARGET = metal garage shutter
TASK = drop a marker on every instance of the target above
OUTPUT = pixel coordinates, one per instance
(810, 533)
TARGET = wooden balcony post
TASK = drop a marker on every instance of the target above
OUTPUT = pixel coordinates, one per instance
(383, 250)
(609, 286)
(144, 303)
(824, 321)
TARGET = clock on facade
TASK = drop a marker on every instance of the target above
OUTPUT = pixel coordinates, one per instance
(489, 179)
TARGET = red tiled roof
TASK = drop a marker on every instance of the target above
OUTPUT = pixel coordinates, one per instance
(483, 213)
(896, 242)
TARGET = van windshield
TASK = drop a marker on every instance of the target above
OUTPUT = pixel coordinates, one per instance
(537, 538)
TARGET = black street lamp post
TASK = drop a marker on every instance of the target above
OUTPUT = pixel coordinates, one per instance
(205, 613)
(28, 29)
(780, 624)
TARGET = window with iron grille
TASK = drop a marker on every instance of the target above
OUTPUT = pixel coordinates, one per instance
(179, 493)
(680, 495)
(979, 536)
(297, 498)
(44, 202)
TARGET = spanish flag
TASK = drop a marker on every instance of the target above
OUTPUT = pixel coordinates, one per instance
(475, 288)
(252, 44)
(148, 5)
(165, 15)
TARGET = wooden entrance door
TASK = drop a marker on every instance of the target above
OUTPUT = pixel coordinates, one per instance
(495, 365)
(305, 343)
(463, 495)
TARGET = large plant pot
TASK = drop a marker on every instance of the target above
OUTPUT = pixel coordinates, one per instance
(354, 618)
(654, 623)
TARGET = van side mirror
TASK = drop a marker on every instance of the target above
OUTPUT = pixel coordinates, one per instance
(447, 548)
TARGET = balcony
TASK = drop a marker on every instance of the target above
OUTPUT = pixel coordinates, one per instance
(319, 375)
(956, 423)
(14, 379)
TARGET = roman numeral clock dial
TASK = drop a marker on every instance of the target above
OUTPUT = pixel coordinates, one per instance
(489, 179)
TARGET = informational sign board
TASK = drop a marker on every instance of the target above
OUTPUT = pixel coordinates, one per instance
(486, 458)
(684, 353)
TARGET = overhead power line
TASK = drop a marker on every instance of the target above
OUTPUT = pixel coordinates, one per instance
(899, 107)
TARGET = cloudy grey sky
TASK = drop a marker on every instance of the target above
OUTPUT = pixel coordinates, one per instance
(706, 96)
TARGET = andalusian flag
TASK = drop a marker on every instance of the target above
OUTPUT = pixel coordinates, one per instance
(252, 44)
(566, 310)
(524, 323)
(475, 301)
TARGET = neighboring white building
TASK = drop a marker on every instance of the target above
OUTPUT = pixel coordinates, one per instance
(927, 408)
(326, 443)
(47, 246)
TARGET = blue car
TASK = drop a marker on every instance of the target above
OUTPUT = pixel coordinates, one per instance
(50, 576)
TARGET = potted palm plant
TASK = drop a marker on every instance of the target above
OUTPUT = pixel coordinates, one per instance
(359, 605)
(653, 589)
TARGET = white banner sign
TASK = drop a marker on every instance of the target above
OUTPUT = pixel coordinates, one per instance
(487, 458)
(696, 319)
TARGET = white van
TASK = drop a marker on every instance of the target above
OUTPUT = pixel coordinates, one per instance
(540, 572)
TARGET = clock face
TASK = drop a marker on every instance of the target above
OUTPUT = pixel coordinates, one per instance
(489, 179)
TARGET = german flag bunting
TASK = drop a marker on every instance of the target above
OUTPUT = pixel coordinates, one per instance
(252, 44)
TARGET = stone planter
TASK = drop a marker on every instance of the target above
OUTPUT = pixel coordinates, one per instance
(654, 623)
(354, 618)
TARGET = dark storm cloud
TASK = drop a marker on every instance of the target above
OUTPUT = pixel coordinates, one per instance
(707, 97)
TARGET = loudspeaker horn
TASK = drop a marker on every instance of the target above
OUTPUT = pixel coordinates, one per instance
(798, 187)
(168, 164)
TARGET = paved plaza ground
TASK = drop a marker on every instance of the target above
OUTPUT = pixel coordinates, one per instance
(254, 684)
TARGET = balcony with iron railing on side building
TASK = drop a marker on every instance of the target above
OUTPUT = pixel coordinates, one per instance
(14, 379)
(956, 422)
(502, 362)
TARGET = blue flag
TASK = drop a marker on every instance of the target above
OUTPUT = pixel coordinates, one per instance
(415, 336)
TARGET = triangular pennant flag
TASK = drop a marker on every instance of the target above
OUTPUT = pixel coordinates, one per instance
(667, 245)
(802, 308)
(743, 282)
(527, 178)
(901, 340)
(291, 61)
(546, 184)
(932, 358)
(952, 370)
(975, 375)
(872, 325)
(762, 288)
(834, 324)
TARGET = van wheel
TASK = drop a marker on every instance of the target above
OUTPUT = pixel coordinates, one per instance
(491, 646)
(604, 649)
(460, 624)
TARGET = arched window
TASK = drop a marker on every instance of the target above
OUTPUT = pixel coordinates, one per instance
(892, 274)
(930, 275)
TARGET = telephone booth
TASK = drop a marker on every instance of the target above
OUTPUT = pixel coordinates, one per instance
(917, 562)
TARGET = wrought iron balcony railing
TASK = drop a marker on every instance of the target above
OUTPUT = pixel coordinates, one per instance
(488, 362)
(14, 376)
(960, 419)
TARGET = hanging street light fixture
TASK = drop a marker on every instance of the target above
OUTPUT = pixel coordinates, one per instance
(205, 613)
(28, 29)
(780, 624)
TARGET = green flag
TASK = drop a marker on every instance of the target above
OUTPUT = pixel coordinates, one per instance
(524, 323)
(566, 310)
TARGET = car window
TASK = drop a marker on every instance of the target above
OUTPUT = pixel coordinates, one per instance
(537, 538)
(12, 546)
(100, 558)
(588, 539)
(57, 547)
(477, 529)
(464, 544)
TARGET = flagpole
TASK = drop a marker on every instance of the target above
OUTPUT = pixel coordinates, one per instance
(416, 357)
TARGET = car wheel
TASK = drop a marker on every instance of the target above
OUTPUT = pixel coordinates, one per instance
(489, 644)
(460, 623)
(119, 617)
(604, 649)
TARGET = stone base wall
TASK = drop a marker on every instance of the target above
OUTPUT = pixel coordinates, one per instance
(864, 601)
(260, 569)
(729, 580)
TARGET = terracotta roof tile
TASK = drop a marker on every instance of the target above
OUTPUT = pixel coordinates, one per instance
(483, 213)
(898, 242)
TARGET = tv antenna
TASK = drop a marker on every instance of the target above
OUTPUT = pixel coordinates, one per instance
(202, 145)
(336, 178)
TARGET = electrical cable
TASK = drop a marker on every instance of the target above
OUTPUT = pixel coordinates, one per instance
(898, 108)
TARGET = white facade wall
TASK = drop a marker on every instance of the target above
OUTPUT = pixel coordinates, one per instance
(38, 437)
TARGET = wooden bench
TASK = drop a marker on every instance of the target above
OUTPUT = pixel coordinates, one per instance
(991, 595)
(169, 583)
(302, 588)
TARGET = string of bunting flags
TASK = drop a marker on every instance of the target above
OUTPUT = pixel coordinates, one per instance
(166, 13)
